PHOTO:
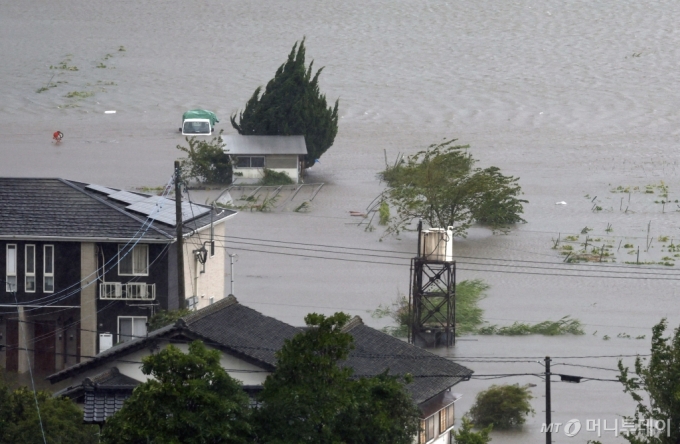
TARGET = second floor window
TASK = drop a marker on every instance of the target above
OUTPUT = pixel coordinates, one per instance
(48, 263)
(30, 268)
(11, 274)
(133, 261)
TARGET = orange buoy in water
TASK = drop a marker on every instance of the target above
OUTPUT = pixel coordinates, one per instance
(57, 136)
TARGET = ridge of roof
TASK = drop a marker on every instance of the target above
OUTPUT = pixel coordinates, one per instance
(118, 209)
(210, 309)
(354, 322)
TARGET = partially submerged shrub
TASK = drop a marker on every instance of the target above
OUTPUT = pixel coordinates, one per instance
(503, 406)
(273, 178)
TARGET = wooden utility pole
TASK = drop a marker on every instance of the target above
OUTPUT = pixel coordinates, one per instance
(181, 297)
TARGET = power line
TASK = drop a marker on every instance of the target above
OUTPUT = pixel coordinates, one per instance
(489, 270)
(573, 265)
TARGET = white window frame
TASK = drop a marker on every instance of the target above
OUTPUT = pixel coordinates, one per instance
(29, 273)
(130, 254)
(131, 318)
(47, 274)
(8, 273)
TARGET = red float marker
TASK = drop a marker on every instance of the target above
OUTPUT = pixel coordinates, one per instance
(57, 136)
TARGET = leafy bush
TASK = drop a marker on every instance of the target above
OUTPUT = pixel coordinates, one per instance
(504, 406)
(206, 161)
(274, 178)
(163, 318)
(465, 434)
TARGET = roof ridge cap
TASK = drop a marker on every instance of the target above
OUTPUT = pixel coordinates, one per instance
(120, 210)
(354, 322)
(210, 309)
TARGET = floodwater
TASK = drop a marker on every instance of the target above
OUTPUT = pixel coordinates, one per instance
(576, 98)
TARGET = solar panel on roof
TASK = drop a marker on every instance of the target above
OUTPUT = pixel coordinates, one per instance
(127, 197)
(101, 189)
(163, 210)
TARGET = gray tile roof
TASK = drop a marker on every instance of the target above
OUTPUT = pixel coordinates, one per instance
(374, 352)
(35, 208)
(102, 395)
(242, 330)
(264, 145)
(100, 404)
(256, 338)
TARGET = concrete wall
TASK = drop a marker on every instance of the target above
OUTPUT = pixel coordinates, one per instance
(251, 175)
(211, 283)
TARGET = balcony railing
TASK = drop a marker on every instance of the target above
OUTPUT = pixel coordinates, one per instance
(132, 291)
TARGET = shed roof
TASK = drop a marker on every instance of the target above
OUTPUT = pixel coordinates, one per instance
(264, 145)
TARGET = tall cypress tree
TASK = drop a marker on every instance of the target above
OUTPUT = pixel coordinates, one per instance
(292, 105)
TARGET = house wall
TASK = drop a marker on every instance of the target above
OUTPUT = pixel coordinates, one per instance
(50, 321)
(109, 311)
(278, 163)
(130, 365)
(211, 283)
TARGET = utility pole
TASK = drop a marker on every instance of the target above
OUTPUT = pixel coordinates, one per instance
(231, 273)
(181, 297)
(548, 416)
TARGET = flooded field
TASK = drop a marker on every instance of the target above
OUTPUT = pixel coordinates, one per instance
(578, 99)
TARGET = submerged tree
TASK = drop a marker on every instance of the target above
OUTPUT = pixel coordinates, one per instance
(442, 186)
(292, 105)
(659, 377)
(206, 161)
(503, 406)
(191, 399)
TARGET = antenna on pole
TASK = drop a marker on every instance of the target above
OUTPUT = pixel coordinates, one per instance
(181, 297)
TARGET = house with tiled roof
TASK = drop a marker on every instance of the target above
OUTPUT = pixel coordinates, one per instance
(83, 266)
(249, 341)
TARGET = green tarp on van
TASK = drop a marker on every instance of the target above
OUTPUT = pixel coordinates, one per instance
(201, 114)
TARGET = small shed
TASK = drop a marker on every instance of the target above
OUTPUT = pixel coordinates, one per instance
(250, 155)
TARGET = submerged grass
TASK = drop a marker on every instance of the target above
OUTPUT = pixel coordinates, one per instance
(470, 317)
(565, 326)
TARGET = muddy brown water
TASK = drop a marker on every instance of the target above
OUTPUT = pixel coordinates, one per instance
(574, 98)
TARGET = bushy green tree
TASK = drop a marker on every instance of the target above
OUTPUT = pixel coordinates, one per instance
(466, 435)
(503, 406)
(292, 105)
(61, 419)
(190, 400)
(163, 318)
(310, 398)
(442, 186)
(655, 388)
(206, 161)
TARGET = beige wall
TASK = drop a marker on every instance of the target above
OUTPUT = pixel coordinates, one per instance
(211, 283)
(88, 300)
(132, 367)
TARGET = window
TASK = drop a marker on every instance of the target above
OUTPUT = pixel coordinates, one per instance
(446, 418)
(192, 303)
(11, 274)
(30, 269)
(131, 327)
(48, 267)
(431, 427)
(133, 262)
(250, 162)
